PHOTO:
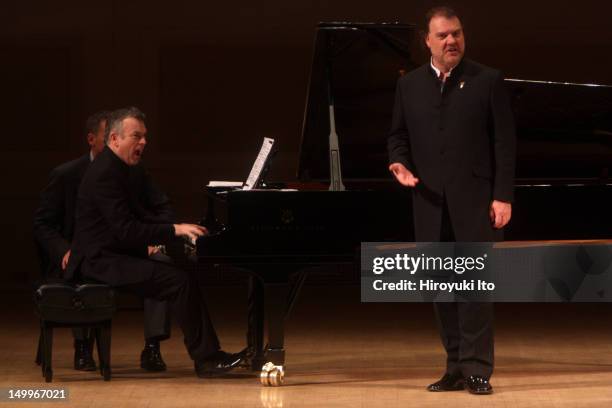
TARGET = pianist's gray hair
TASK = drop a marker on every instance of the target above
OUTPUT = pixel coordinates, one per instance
(115, 120)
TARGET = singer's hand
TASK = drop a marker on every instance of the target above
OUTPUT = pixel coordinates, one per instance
(500, 213)
(403, 175)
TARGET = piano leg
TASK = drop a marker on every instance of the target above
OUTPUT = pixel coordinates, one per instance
(267, 301)
(273, 290)
(275, 306)
(255, 330)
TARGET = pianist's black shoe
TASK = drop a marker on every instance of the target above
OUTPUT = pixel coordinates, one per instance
(448, 382)
(218, 364)
(478, 385)
(151, 358)
(248, 354)
(83, 360)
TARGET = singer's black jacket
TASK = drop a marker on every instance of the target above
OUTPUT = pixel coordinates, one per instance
(460, 142)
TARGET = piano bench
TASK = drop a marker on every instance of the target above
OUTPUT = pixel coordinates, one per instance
(64, 305)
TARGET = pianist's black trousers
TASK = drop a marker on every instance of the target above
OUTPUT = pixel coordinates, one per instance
(156, 319)
(179, 286)
(466, 328)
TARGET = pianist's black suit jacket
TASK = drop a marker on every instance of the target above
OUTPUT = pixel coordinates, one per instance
(461, 145)
(54, 218)
(114, 226)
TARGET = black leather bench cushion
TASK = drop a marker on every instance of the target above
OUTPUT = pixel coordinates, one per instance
(82, 304)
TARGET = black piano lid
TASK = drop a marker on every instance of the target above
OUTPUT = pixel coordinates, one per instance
(365, 60)
(564, 130)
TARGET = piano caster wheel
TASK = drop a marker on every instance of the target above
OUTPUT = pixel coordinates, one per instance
(272, 375)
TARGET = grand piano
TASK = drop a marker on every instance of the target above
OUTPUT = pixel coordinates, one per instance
(345, 195)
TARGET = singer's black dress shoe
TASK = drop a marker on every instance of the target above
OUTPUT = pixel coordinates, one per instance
(151, 358)
(448, 382)
(217, 364)
(83, 360)
(478, 385)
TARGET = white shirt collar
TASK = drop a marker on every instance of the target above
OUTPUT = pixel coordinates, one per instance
(437, 71)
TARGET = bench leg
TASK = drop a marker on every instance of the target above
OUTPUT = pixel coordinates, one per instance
(103, 341)
(38, 359)
(47, 337)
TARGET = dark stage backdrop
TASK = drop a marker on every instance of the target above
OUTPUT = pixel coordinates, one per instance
(215, 77)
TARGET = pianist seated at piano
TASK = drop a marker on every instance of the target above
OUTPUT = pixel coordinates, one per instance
(54, 228)
(112, 234)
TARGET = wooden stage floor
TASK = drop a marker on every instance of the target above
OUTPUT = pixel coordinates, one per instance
(340, 353)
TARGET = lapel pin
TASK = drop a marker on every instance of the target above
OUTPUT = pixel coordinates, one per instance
(461, 84)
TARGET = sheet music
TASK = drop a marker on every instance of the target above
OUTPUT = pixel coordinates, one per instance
(259, 164)
(223, 183)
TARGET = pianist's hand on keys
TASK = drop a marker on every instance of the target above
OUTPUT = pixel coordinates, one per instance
(190, 232)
